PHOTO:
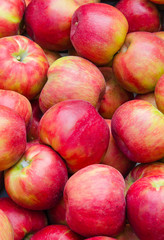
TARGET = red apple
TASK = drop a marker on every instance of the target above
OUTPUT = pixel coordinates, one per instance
(115, 158)
(137, 127)
(23, 221)
(6, 229)
(159, 94)
(98, 31)
(56, 232)
(114, 96)
(101, 238)
(76, 131)
(12, 137)
(72, 77)
(52, 56)
(11, 14)
(94, 196)
(139, 64)
(149, 97)
(32, 143)
(37, 181)
(142, 15)
(145, 207)
(127, 234)
(23, 66)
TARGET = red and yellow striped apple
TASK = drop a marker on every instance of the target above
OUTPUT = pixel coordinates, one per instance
(159, 94)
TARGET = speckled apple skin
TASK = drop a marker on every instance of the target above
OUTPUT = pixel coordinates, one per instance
(141, 15)
(72, 77)
(56, 232)
(145, 207)
(6, 229)
(139, 64)
(23, 220)
(98, 31)
(159, 94)
(94, 196)
(76, 131)
(137, 127)
(37, 181)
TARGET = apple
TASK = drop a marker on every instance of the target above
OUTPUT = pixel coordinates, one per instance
(139, 64)
(98, 31)
(56, 215)
(137, 127)
(31, 143)
(76, 131)
(145, 207)
(32, 132)
(115, 158)
(72, 77)
(82, 2)
(23, 221)
(6, 229)
(27, 2)
(52, 56)
(149, 97)
(142, 15)
(94, 196)
(160, 34)
(114, 96)
(127, 234)
(12, 12)
(37, 181)
(159, 94)
(23, 66)
(56, 232)
(101, 238)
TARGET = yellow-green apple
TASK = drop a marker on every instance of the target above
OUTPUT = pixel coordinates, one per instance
(115, 158)
(157, 1)
(114, 95)
(23, 66)
(94, 196)
(142, 15)
(127, 234)
(56, 232)
(11, 14)
(137, 127)
(32, 132)
(6, 229)
(51, 56)
(101, 238)
(12, 137)
(159, 94)
(37, 181)
(143, 170)
(76, 131)
(98, 31)
(72, 77)
(18, 103)
(139, 64)
(56, 215)
(24, 221)
(145, 207)
(149, 97)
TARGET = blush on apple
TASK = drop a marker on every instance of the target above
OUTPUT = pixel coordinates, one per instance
(6, 229)
(159, 94)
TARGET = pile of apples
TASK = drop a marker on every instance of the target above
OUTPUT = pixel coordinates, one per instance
(82, 120)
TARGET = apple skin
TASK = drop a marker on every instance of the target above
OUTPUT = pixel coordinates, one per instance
(159, 94)
(51, 56)
(115, 158)
(76, 131)
(142, 15)
(6, 229)
(143, 170)
(23, 221)
(82, 2)
(160, 34)
(31, 183)
(27, 2)
(12, 137)
(23, 66)
(137, 127)
(98, 28)
(56, 232)
(101, 238)
(72, 77)
(94, 196)
(149, 97)
(145, 207)
(127, 234)
(114, 95)
(139, 64)
(11, 14)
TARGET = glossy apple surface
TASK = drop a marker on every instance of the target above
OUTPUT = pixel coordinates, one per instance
(76, 131)
(37, 181)
(159, 94)
(137, 127)
(6, 229)
(72, 77)
(94, 196)
(98, 31)
(23, 66)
